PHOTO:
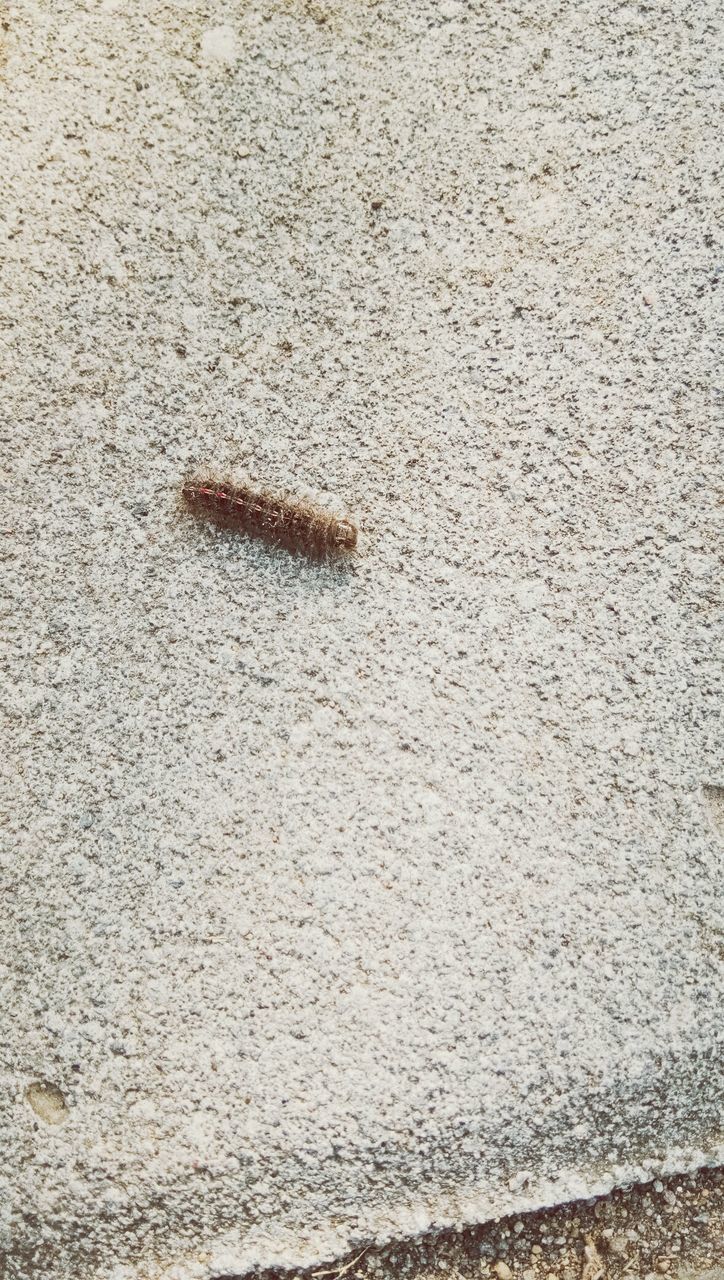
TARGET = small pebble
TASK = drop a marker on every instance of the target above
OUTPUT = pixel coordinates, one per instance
(502, 1270)
(47, 1101)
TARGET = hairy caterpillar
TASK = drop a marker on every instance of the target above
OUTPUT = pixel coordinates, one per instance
(298, 526)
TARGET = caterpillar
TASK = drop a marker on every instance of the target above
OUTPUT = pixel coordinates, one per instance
(280, 521)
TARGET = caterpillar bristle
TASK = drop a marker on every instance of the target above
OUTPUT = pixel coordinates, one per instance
(296, 525)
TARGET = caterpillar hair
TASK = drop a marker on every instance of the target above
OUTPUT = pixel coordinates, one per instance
(278, 520)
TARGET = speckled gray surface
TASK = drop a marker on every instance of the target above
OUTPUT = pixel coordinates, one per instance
(340, 903)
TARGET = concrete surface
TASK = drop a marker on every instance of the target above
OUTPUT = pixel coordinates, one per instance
(340, 905)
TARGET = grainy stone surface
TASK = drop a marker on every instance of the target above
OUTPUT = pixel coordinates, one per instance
(340, 905)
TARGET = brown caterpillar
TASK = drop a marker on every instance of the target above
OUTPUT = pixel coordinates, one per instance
(298, 526)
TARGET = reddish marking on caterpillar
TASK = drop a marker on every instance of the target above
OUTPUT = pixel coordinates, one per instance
(298, 526)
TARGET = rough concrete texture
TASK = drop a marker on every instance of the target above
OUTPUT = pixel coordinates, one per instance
(340, 904)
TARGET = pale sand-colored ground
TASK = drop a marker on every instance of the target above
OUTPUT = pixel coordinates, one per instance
(347, 906)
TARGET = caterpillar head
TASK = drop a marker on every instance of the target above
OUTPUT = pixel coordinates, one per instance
(345, 536)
